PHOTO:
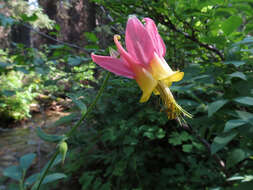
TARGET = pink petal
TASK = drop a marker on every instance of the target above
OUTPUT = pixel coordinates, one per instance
(138, 41)
(114, 65)
(122, 51)
(157, 40)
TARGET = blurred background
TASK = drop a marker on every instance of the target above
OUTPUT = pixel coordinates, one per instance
(47, 79)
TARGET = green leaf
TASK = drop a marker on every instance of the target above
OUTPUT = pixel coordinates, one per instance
(57, 27)
(23, 70)
(187, 102)
(235, 63)
(244, 115)
(234, 178)
(56, 161)
(86, 180)
(49, 138)
(53, 177)
(31, 179)
(4, 65)
(245, 100)
(215, 106)
(120, 168)
(66, 119)
(129, 151)
(178, 138)
(5, 21)
(27, 18)
(41, 70)
(26, 161)
(74, 61)
(79, 104)
(231, 124)
(160, 134)
(8, 93)
(243, 186)
(237, 156)
(187, 147)
(13, 172)
(238, 75)
(231, 24)
(13, 186)
(247, 40)
(221, 141)
(91, 37)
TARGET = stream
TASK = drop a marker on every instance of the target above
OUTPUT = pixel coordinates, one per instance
(16, 142)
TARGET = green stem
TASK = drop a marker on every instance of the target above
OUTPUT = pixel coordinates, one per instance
(75, 127)
(21, 184)
(47, 169)
(90, 107)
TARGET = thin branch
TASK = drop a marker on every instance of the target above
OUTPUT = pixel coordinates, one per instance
(54, 39)
(73, 129)
(166, 21)
(48, 36)
(111, 20)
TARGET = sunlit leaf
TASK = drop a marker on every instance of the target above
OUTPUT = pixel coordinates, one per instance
(231, 24)
(91, 37)
(27, 18)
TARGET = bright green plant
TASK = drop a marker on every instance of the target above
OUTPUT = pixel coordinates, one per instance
(15, 98)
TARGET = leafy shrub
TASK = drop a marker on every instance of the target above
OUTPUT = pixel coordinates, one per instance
(15, 97)
(128, 145)
(133, 146)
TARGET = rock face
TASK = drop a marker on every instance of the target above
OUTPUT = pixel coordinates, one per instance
(74, 19)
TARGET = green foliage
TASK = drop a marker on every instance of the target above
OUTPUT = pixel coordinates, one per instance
(138, 148)
(49, 138)
(128, 145)
(19, 173)
(15, 97)
(20, 10)
(133, 146)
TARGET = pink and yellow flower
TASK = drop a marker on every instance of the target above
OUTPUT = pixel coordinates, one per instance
(144, 61)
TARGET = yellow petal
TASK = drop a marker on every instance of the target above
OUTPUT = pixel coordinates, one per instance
(175, 77)
(146, 82)
(160, 69)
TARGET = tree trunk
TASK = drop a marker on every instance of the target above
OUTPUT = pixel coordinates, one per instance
(73, 21)
(20, 34)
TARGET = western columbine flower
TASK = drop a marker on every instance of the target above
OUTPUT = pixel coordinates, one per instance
(144, 62)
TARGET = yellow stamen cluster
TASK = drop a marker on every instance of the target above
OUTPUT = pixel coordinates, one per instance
(173, 110)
